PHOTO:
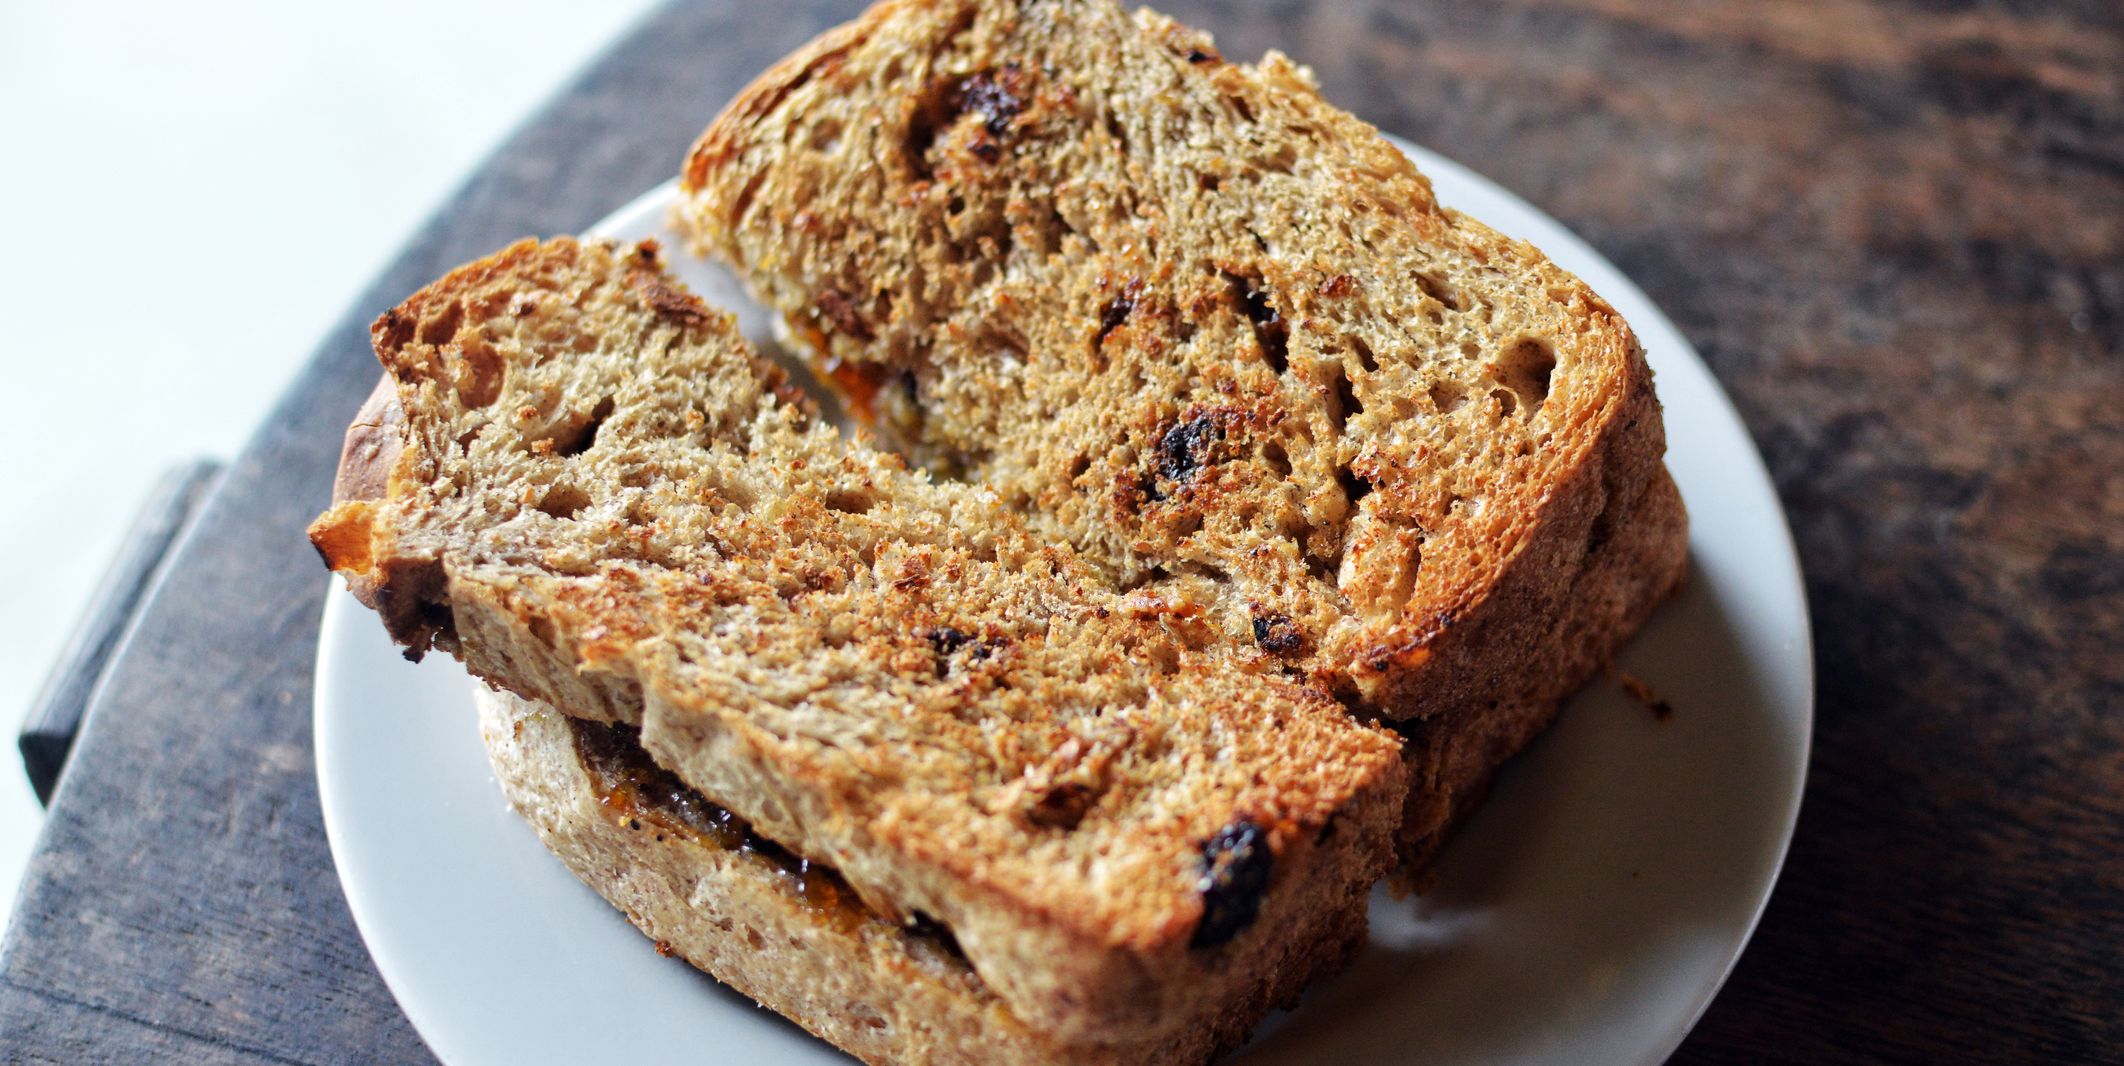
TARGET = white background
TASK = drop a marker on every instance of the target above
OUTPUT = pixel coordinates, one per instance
(190, 194)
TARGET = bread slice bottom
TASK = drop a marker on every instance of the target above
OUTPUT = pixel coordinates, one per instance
(789, 934)
(1636, 564)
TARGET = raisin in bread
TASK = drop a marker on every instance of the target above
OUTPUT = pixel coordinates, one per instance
(597, 496)
(1214, 334)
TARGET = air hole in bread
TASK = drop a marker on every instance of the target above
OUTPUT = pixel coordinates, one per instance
(440, 329)
(929, 110)
(1525, 368)
(847, 502)
(1347, 406)
(1603, 527)
(576, 437)
(1278, 460)
(1507, 403)
(743, 205)
(480, 373)
(1321, 565)
(826, 136)
(1448, 396)
(1354, 487)
(1062, 805)
(1270, 330)
(1363, 351)
(1281, 160)
(563, 501)
(1440, 291)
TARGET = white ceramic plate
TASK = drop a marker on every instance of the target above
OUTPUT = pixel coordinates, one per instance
(1587, 915)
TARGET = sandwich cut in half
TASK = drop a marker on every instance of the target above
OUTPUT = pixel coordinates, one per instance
(582, 482)
(1219, 338)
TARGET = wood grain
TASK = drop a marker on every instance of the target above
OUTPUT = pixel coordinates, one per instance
(1894, 228)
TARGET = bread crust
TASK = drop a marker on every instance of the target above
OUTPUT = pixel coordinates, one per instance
(867, 985)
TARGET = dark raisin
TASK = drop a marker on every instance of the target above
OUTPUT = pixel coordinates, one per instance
(947, 642)
(1197, 55)
(1235, 875)
(1188, 447)
(1118, 309)
(835, 306)
(1277, 634)
(1339, 285)
(992, 98)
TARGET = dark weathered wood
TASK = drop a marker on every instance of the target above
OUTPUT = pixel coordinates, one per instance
(54, 718)
(1896, 230)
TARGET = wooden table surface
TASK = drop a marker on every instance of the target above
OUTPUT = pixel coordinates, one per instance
(1894, 228)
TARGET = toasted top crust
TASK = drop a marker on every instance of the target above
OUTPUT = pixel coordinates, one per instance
(604, 500)
(1196, 322)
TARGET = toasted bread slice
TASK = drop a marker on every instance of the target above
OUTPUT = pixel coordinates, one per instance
(600, 498)
(1215, 334)
(791, 934)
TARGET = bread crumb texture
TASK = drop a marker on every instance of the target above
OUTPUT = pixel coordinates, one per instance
(1204, 328)
(607, 501)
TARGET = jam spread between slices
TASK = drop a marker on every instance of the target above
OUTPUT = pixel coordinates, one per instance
(644, 796)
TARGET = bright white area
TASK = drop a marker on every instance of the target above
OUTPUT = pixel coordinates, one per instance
(190, 194)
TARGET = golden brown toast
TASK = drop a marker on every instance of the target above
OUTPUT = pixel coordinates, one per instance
(602, 499)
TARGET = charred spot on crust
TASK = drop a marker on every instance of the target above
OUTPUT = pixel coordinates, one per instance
(1277, 634)
(1200, 55)
(1236, 864)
